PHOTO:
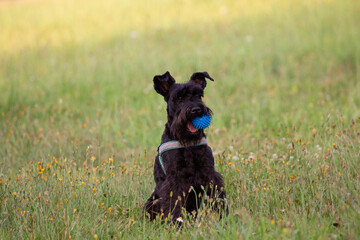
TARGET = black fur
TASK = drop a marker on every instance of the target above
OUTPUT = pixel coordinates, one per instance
(190, 172)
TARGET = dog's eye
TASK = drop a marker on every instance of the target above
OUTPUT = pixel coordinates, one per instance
(179, 98)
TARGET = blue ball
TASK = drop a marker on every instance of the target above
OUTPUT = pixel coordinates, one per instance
(201, 122)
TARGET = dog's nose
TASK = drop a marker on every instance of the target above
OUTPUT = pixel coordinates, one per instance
(195, 110)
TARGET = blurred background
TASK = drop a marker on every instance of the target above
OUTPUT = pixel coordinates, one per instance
(75, 74)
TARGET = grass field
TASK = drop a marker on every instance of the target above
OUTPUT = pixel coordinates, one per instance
(80, 121)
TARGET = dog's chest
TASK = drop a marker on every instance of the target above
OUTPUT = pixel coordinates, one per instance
(193, 156)
(191, 162)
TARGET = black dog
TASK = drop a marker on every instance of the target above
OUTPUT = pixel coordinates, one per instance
(184, 167)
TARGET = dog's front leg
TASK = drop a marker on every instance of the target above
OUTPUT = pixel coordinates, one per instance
(173, 200)
(217, 193)
(152, 206)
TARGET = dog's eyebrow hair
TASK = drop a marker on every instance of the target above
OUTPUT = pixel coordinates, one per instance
(185, 91)
(198, 91)
(178, 93)
(182, 91)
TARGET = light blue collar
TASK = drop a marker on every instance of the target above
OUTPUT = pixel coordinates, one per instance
(171, 145)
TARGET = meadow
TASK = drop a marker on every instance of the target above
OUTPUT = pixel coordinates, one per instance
(80, 122)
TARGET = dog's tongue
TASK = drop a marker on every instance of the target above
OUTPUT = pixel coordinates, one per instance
(191, 127)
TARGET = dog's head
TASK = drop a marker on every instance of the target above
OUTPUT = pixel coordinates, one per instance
(184, 103)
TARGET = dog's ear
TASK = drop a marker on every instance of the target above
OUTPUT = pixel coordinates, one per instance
(199, 78)
(162, 84)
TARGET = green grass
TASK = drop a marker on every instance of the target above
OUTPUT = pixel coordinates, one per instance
(80, 121)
